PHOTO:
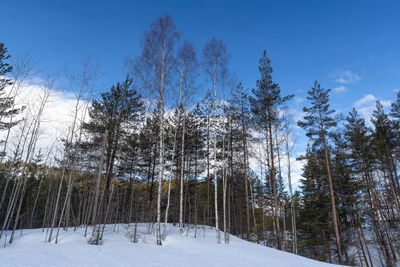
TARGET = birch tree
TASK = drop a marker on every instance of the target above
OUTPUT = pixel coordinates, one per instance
(215, 58)
(289, 143)
(34, 135)
(81, 83)
(154, 69)
(188, 61)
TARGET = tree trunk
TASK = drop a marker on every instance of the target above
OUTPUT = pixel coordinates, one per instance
(161, 156)
(244, 142)
(215, 154)
(271, 146)
(332, 196)
(292, 208)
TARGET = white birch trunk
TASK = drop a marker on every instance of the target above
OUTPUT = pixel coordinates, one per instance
(292, 208)
(183, 150)
(161, 136)
(215, 154)
(29, 155)
(173, 157)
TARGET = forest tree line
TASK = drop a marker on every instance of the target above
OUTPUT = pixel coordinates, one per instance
(174, 157)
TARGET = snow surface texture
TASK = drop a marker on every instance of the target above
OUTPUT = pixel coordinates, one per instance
(118, 250)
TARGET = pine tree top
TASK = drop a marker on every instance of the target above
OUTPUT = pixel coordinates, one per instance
(319, 116)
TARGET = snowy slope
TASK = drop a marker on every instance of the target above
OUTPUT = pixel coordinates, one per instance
(117, 250)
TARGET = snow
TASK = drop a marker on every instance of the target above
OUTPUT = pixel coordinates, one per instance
(30, 249)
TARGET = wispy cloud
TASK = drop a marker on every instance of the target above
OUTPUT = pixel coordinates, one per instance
(347, 77)
(340, 89)
(298, 100)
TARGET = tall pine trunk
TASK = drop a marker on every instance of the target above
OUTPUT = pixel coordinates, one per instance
(273, 182)
(332, 197)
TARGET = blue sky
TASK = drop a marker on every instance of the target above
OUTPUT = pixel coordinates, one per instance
(306, 40)
(349, 46)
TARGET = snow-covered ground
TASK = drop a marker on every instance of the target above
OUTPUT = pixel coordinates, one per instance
(117, 250)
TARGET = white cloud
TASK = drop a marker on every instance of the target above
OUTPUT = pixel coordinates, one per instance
(347, 77)
(340, 89)
(296, 169)
(365, 100)
(56, 119)
(257, 161)
(366, 105)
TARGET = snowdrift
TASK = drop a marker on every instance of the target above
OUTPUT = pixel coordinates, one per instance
(30, 249)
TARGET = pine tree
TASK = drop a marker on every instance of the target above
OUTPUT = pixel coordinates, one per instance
(6, 107)
(314, 210)
(395, 114)
(395, 107)
(118, 111)
(265, 106)
(347, 188)
(6, 102)
(384, 142)
(364, 161)
(361, 163)
(317, 122)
